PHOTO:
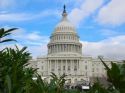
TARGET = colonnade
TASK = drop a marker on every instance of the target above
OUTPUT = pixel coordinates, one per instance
(63, 66)
(64, 48)
(64, 37)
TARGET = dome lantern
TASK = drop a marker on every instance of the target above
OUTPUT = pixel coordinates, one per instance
(64, 14)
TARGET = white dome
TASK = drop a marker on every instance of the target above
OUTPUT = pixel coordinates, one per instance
(64, 25)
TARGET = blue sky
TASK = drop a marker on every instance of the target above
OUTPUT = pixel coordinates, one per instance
(99, 23)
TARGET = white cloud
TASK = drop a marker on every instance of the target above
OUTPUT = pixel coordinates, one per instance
(38, 51)
(113, 13)
(6, 3)
(31, 38)
(108, 32)
(86, 8)
(112, 47)
(16, 17)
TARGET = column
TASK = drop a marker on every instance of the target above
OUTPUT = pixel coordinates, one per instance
(68, 48)
(54, 48)
(66, 66)
(48, 66)
(74, 48)
(77, 67)
(77, 49)
(71, 47)
(71, 66)
(50, 49)
(56, 66)
(62, 48)
(80, 49)
(57, 48)
(61, 67)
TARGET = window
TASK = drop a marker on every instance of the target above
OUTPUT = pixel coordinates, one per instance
(86, 67)
(52, 69)
(59, 68)
(63, 67)
(75, 68)
(68, 67)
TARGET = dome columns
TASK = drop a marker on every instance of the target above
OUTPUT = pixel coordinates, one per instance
(64, 48)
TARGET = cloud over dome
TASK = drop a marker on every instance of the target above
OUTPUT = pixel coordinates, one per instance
(87, 7)
(113, 13)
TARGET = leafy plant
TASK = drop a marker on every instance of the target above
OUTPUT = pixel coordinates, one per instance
(4, 33)
(116, 76)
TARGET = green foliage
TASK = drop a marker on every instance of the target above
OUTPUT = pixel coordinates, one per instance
(116, 76)
(97, 88)
(40, 86)
(14, 74)
(57, 83)
(4, 33)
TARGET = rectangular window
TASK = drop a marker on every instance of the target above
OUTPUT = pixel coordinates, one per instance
(59, 68)
(75, 68)
(63, 67)
(86, 67)
(52, 69)
(68, 67)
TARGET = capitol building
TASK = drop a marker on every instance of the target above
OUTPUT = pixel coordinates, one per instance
(65, 56)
